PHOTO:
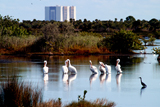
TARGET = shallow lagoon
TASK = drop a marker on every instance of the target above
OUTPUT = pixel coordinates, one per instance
(125, 89)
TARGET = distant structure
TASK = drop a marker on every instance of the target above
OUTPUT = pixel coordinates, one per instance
(60, 13)
(72, 12)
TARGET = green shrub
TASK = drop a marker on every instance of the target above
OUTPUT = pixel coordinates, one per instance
(123, 42)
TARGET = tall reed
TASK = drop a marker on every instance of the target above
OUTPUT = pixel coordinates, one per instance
(18, 94)
(14, 93)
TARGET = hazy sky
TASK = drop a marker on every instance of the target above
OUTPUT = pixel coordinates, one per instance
(85, 9)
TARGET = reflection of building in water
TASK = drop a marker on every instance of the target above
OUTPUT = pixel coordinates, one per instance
(92, 78)
(102, 78)
(118, 80)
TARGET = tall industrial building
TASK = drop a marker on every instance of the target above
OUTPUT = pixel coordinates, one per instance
(60, 13)
(72, 10)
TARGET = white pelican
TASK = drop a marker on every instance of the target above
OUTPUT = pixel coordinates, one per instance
(104, 68)
(93, 68)
(45, 78)
(71, 68)
(118, 66)
(45, 68)
(65, 67)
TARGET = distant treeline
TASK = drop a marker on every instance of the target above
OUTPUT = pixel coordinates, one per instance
(75, 36)
(9, 26)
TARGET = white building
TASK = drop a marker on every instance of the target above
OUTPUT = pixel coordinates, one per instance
(60, 13)
(53, 13)
(72, 10)
(66, 13)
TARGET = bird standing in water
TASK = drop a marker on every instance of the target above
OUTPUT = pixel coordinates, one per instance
(45, 68)
(71, 68)
(93, 69)
(118, 66)
(143, 84)
(104, 68)
(65, 67)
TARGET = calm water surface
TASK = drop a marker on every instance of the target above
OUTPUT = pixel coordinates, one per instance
(124, 89)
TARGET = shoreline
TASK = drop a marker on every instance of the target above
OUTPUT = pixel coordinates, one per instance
(88, 54)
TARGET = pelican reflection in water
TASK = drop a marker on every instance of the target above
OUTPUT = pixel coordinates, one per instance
(65, 80)
(108, 78)
(102, 78)
(45, 78)
(118, 79)
(71, 78)
(92, 78)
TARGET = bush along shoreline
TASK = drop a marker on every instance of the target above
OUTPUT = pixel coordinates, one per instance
(77, 43)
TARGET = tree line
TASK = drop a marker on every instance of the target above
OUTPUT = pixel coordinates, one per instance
(9, 26)
(91, 37)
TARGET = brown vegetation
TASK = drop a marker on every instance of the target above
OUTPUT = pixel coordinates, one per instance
(14, 93)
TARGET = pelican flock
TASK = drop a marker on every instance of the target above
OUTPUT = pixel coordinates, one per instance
(104, 68)
(68, 67)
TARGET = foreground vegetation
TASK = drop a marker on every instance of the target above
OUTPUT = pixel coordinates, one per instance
(14, 93)
(75, 37)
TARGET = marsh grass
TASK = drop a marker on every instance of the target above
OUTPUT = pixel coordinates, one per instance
(50, 103)
(96, 103)
(17, 43)
(15, 94)
(19, 94)
(82, 44)
(77, 43)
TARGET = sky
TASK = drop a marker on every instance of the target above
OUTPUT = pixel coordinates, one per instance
(85, 9)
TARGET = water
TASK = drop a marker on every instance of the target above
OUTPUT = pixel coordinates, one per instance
(125, 89)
